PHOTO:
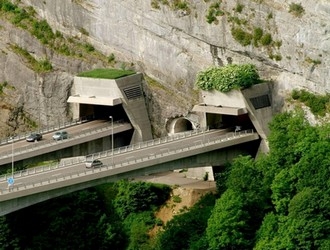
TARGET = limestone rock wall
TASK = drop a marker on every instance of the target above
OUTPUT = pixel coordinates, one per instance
(172, 45)
(29, 99)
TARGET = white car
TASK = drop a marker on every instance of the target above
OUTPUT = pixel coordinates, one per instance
(93, 163)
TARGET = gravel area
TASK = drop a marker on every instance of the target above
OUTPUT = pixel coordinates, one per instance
(177, 179)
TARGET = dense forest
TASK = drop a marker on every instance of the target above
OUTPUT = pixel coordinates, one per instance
(278, 201)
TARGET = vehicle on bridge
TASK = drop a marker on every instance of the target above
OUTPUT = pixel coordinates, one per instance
(60, 135)
(93, 163)
(34, 137)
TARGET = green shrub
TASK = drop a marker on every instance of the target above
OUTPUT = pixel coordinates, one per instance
(270, 15)
(181, 5)
(42, 31)
(213, 12)
(257, 33)
(20, 15)
(155, 4)
(2, 86)
(58, 34)
(278, 44)
(44, 66)
(266, 39)
(7, 6)
(64, 49)
(241, 36)
(177, 199)
(304, 96)
(39, 66)
(239, 8)
(226, 78)
(317, 103)
(88, 47)
(206, 79)
(111, 58)
(296, 9)
(276, 57)
(312, 61)
(84, 31)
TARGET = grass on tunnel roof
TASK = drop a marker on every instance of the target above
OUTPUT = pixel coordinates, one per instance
(106, 73)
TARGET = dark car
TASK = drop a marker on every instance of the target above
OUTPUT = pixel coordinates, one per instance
(34, 137)
(93, 163)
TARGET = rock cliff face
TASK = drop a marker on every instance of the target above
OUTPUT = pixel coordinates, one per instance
(171, 41)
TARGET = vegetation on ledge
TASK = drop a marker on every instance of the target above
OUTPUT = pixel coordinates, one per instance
(318, 104)
(106, 73)
(227, 78)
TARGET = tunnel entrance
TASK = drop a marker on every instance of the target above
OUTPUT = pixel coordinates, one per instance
(179, 125)
(102, 112)
(220, 121)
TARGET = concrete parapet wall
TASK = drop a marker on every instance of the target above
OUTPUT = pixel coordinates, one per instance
(233, 99)
(85, 86)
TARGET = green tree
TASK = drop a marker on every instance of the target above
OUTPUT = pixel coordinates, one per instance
(267, 232)
(282, 191)
(221, 177)
(289, 139)
(8, 239)
(313, 168)
(73, 217)
(247, 181)
(137, 226)
(136, 197)
(299, 187)
(227, 224)
(309, 218)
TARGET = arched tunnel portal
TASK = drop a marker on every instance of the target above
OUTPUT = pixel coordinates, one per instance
(179, 125)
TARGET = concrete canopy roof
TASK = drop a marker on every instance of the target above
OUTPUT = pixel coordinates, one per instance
(219, 109)
(95, 100)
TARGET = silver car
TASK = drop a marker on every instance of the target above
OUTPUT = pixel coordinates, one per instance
(60, 135)
(93, 163)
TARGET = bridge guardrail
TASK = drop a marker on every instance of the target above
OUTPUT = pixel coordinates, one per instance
(47, 129)
(41, 144)
(126, 162)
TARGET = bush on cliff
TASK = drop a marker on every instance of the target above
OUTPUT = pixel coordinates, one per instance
(227, 78)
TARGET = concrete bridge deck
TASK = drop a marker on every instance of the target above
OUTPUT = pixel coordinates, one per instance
(188, 150)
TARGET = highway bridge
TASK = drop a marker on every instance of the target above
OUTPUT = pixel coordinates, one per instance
(122, 101)
(185, 150)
